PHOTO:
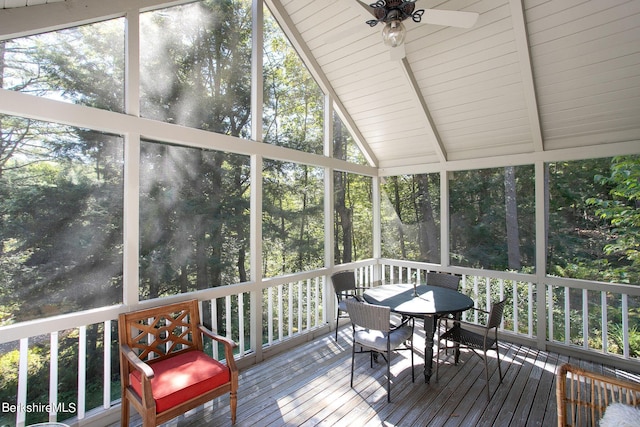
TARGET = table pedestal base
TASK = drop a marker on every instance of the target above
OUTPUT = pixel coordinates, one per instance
(429, 329)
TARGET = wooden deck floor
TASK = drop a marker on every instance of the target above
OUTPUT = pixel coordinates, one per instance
(309, 386)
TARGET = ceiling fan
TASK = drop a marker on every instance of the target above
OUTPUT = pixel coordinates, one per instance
(391, 13)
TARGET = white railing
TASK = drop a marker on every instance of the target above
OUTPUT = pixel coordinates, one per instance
(292, 306)
(558, 312)
(483, 286)
(596, 319)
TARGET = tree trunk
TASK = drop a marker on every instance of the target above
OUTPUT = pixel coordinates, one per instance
(398, 208)
(303, 219)
(344, 217)
(429, 237)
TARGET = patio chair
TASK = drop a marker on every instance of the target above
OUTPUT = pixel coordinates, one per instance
(444, 280)
(164, 370)
(478, 338)
(344, 285)
(373, 334)
(587, 398)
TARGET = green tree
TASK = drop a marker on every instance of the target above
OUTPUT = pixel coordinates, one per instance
(622, 211)
(194, 206)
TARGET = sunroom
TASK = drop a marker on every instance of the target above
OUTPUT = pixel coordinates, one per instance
(241, 152)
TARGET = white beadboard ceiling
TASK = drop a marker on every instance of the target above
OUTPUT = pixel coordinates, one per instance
(531, 77)
(8, 4)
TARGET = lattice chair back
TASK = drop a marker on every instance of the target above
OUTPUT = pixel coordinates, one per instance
(167, 331)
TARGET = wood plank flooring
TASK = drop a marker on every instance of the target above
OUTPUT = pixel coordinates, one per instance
(309, 386)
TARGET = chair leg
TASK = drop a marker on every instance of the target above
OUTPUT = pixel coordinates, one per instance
(486, 374)
(413, 375)
(389, 376)
(233, 400)
(337, 320)
(437, 358)
(353, 360)
(498, 359)
(124, 417)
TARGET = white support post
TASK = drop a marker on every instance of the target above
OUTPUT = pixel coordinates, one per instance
(377, 228)
(541, 256)
(257, 105)
(131, 163)
(444, 218)
(329, 213)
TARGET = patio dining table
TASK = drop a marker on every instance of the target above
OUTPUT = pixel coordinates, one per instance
(422, 301)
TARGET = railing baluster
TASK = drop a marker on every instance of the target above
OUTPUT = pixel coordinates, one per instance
(475, 298)
(501, 296)
(299, 285)
(290, 310)
(241, 323)
(53, 376)
(280, 314)
(317, 302)
(625, 324)
(23, 369)
(487, 293)
(227, 316)
(567, 317)
(106, 379)
(269, 316)
(585, 318)
(309, 306)
(516, 317)
(82, 371)
(550, 305)
(214, 325)
(604, 321)
(531, 304)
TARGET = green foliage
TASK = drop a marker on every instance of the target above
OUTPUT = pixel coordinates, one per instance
(622, 212)
(617, 338)
(591, 217)
(410, 217)
(293, 218)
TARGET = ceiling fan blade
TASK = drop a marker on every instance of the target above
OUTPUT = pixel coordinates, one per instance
(450, 18)
(366, 7)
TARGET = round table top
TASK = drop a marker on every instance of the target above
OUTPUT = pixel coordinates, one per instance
(431, 300)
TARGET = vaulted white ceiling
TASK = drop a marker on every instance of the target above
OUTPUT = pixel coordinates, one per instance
(531, 78)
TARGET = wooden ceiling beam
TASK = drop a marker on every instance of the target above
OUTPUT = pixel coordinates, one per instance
(528, 83)
(424, 110)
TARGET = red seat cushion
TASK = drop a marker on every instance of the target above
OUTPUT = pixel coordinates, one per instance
(182, 377)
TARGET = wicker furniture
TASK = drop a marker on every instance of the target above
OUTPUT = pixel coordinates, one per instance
(446, 280)
(424, 301)
(583, 397)
(344, 285)
(373, 334)
(478, 338)
(164, 370)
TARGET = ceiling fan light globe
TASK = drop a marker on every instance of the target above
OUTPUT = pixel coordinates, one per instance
(393, 33)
